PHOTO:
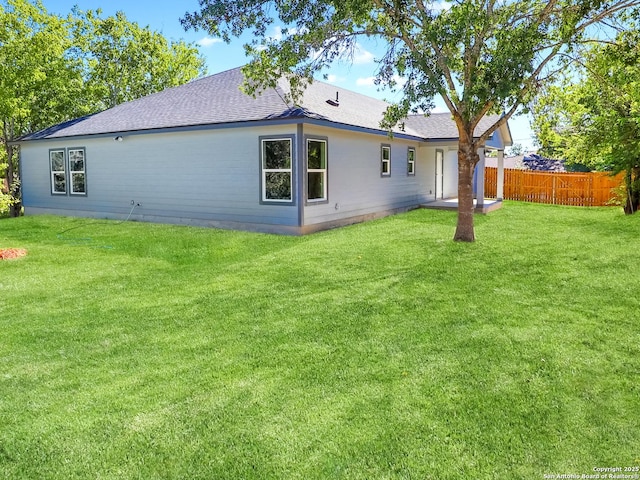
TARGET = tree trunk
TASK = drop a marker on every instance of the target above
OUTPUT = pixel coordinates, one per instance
(467, 160)
(632, 181)
(15, 209)
(636, 189)
(632, 184)
(13, 182)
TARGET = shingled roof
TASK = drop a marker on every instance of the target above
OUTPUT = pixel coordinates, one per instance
(210, 100)
(217, 99)
(440, 126)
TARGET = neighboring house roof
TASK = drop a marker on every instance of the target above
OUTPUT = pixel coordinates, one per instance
(534, 161)
(217, 99)
(530, 161)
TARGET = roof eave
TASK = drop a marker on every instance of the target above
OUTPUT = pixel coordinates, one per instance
(215, 126)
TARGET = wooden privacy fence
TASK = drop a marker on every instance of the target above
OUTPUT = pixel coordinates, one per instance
(590, 189)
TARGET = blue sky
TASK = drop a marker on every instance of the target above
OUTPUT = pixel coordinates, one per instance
(164, 16)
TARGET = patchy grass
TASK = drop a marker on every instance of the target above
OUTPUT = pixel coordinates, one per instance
(381, 350)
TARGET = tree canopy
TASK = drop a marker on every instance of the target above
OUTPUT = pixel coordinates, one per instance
(592, 117)
(123, 61)
(55, 68)
(480, 56)
(39, 83)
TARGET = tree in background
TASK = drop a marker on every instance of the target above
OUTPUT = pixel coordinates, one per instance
(39, 83)
(480, 56)
(594, 118)
(123, 61)
(515, 150)
(55, 68)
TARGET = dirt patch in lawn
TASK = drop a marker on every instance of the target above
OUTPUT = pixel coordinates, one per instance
(9, 253)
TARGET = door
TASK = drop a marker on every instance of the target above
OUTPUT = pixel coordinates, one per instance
(439, 174)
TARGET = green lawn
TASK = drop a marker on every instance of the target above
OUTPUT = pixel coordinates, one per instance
(378, 351)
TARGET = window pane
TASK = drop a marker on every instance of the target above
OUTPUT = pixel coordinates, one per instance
(411, 157)
(277, 154)
(76, 165)
(385, 167)
(316, 185)
(317, 155)
(57, 161)
(59, 183)
(76, 155)
(386, 153)
(277, 186)
(77, 183)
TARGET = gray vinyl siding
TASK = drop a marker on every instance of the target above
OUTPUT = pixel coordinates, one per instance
(213, 177)
(356, 187)
(200, 176)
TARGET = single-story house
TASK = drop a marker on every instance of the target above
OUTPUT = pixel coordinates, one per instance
(205, 153)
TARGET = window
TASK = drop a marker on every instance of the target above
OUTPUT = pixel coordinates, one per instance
(411, 161)
(276, 170)
(385, 161)
(316, 170)
(58, 172)
(76, 172)
(68, 165)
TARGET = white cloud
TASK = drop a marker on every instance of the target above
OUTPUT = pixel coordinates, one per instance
(400, 81)
(442, 5)
(277, 34)
(356, 54)
(332, 78)
(208, 41)
(366, 82)
(362, 56)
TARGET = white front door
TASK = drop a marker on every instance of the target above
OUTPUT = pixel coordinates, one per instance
(439, 174)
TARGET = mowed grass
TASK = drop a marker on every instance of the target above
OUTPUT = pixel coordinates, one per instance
(378, 351)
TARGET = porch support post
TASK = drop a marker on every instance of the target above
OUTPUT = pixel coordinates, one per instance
(480, 179)
(500, 186)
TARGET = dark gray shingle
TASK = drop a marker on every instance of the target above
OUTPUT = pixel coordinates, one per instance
(209, 100)
(217, 99)
(441, 126)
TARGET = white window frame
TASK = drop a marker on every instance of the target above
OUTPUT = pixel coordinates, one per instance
(53, 172)
(72, 173)
(324, 197)
(264, 171)
(411, 161)
(385, 163)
